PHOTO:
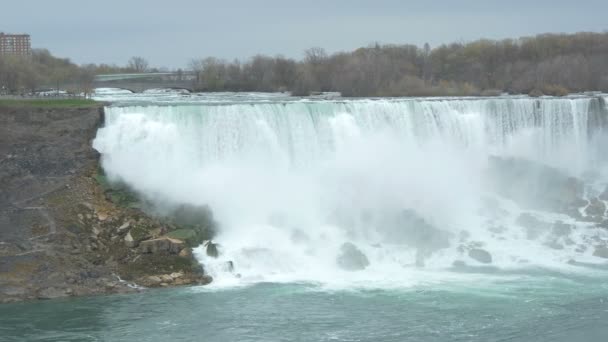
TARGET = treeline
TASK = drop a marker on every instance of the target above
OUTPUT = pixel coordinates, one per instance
(20, 75)
(42, 71)
(552, 64)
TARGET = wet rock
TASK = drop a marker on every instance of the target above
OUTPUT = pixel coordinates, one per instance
(601, 252)
(211, 249)
(152, 281)
(191, 215)
(561, 229)
(481, 255)
(351, 258)
(411, 229)
(534, 185)
(195, 224)
(534, 227)
(51, 293)
(459, 264)
(603, 224)
(180, 281)
(162, 245)
(596, 208)
(205, 279)
(176, 275)
(604, 195)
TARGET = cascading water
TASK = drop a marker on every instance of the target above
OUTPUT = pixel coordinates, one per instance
(397, 190)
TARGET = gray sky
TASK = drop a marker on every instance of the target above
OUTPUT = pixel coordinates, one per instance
(170, 33)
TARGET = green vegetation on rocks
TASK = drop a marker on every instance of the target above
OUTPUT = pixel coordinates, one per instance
(195, 224)
(189, 236)
(117, 192)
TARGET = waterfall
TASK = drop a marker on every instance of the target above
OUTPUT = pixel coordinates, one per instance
(292, 181)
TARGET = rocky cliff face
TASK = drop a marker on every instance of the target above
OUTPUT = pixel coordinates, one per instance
(60, 235)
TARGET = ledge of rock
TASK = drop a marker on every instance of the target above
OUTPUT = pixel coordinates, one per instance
(162, 245)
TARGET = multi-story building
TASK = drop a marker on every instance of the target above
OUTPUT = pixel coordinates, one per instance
(15, 44)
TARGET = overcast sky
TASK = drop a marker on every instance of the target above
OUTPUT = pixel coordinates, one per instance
(170, 33)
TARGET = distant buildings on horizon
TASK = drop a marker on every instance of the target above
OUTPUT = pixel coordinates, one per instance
(15, 44)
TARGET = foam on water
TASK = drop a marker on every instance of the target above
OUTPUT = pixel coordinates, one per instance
(291, 181)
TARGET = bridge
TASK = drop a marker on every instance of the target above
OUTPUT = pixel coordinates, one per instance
(137, 83)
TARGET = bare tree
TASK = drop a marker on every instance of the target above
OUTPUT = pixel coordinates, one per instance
(138, 64)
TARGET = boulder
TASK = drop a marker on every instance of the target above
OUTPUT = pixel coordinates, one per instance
(205, 279)
(124, 227)
(211, 249)
(152, 281)
(351, 258)
(410, 228)
(176, 275)
(162, 245)
(595, 208)
(534, 185)
(166, 278)
(186, 252)
(102, 216)
(481, 255)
